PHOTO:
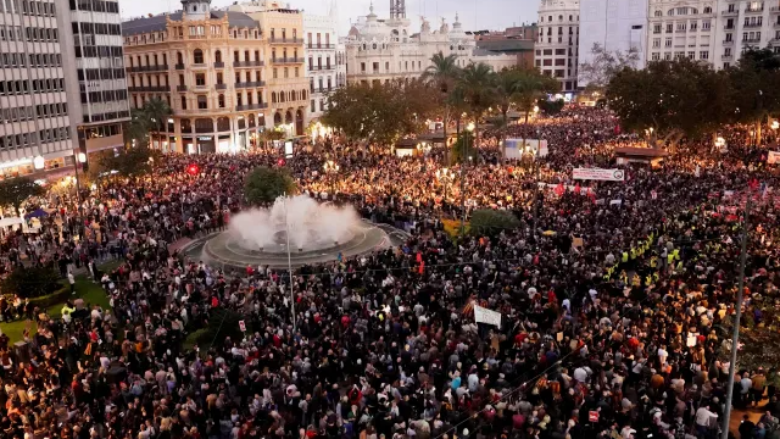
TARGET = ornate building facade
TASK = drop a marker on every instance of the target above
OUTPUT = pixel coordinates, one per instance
(381, 50)
(325, 60)
(209, 66)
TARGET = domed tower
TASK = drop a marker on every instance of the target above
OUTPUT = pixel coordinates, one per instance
(196, 9)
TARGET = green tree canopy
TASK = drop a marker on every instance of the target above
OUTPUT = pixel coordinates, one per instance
(31, 282)
(14, 192)
(130, 162)
(381, 112)
(147, 120)
(264, 185)
(674, 98)
(491, 221)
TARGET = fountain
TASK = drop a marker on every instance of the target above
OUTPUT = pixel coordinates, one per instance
(315, 232)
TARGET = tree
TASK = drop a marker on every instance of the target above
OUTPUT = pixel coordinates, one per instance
(148, 120)
(476, 84)
(130, 162)
(492, 221)
(551, 107)
(463, 148)
(442, 74)
(264, 185)
(382, 112)
(674, 98)
(31, 282)
(754, 80)
(605, 65)
(271, 135)
(15, 191)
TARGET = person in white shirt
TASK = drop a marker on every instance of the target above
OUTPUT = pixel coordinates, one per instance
(703, 419)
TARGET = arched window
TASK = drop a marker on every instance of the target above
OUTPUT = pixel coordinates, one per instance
(708, 10)
(186, 126)
(197, 56)
(221, 101)
(204, 125)
(223, 124)
(273, 97)
(560, 18)
(659, 13)
(282, 97)
(303, 94)
(218, 56)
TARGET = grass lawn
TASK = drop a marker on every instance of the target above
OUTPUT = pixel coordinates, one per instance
(92, 294)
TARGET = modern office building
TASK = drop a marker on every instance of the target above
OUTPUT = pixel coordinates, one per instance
(325, 62)
(35, 126)
(615, 25)
(381, 50)
(557, 45)
(97, 93)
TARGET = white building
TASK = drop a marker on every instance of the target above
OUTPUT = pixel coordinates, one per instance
(682, 29)
(616, 25)
(557, 48)
(743, 25)
(381, 50)
(325, 62)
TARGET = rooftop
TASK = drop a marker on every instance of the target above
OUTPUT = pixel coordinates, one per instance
(158, 23)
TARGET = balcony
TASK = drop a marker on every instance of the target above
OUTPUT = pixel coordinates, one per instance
(319, 46)
(729, 13)
(219, 65)
(758, 10)
(287, 61)
(221, 86)
(154, 68)
(200, 87)
(259, 106)
(321, 68)
(774, 10)
(154, 88)
(181, 88)
(273, 40)
(728, 42)
(753, 25)
(248, 63)
(729, 27)
(751, 41)
(198, 65)
(253, 84)
(179, 66)
(727, 57)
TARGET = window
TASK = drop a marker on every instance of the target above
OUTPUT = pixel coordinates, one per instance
(708, 10)
(183, 102)
(200, 79)
(313, 109)
(659, 13)
(239, 99)
(656, 28)
(656, 56)
(668, 42)
(691, 55)
(275, 73)
(202, 105)
(727, 51)
(704, 54)
(656, 43)
(218, 56)
(219, 78)
(669, 28)
(560, 51)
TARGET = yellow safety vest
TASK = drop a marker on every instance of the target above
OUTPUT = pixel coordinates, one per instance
(625, 256)
(670, 258)
(676, 254)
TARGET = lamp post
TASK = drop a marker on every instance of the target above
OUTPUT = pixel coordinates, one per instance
(331, 168)
(445, 176)
(78, 160)
(469, 129)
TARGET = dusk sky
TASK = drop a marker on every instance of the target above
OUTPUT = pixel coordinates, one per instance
(474, 14)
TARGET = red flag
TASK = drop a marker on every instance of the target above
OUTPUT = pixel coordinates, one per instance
(577, 189)
(754, 184)
(419, 257)
(421, 269)
(559, 190)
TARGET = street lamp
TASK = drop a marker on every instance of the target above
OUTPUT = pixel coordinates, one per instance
(470, 129)
(445, 176)
(331, 168)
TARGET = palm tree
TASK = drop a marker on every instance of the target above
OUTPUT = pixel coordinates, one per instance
(442, 74)
(506, 92)
(476, 81)
(156, 112)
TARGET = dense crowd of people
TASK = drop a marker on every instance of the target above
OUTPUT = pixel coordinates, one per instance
(616, 300)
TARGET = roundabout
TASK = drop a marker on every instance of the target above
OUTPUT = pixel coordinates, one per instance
(225, 249)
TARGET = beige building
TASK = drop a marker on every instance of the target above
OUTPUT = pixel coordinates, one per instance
(287, 82)
(210, 66)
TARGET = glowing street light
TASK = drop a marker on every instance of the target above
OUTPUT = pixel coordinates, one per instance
(38, 162)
